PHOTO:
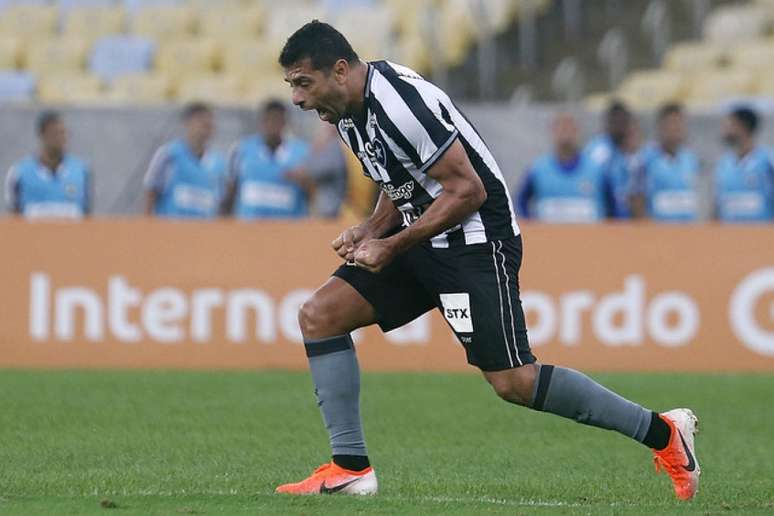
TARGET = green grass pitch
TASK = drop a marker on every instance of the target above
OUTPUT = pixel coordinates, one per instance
(218, 443)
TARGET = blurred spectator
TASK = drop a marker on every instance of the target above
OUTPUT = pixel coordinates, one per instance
(669, 172)
(565, 185)
(53, 183)
(611, 153)
(185, 179)
(263, 177)
(744, 177)
(326, 168)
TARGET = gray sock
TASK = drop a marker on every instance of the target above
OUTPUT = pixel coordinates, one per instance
(336, 377)
(570, 394)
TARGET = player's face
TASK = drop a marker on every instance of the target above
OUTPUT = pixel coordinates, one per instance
(565, 133)
(323, 91)
(200, 127)
(733, 132)
(273, 124)
(672, 129)
(54, 137)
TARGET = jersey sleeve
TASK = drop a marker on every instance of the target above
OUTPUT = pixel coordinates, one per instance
(412, 114)
(157, 176)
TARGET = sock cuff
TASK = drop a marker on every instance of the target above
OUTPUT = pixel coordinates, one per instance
(319, 347)
(543, 381)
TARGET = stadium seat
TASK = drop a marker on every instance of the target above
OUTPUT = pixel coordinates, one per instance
(65, 6)
(92, 23)
(10, 50)
(29, 21)
(119, 55)
(712, 87)
(286, 19)
(691, 56)
(214, 88)
(133, 6)
(757, 54)
(56, 55)
(455, 31)
(187, 56)
(231, 21)
(242, 56)
(648, 90)
(261, 87)
(736, 23)
(150, 88)
(164, 23)
(70, 89)
(16, 86)
(369, 39)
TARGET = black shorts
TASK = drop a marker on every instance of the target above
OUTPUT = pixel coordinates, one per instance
(476, 288)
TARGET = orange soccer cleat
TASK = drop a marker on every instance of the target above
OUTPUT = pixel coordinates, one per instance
(679, 459)
(331, 478)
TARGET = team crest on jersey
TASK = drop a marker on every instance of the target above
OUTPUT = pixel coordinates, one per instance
(376, 153)
(586, 187)
(71, 191)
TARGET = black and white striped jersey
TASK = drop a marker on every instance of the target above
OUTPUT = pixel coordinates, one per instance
(406, 126)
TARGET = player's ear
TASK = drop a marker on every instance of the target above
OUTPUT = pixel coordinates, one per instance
(341, 71)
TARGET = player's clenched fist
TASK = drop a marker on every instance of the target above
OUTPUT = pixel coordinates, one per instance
(347, 242)
(373, 255)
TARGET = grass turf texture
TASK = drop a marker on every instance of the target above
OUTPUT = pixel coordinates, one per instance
(218, 443)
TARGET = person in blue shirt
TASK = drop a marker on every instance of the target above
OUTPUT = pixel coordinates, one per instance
(744, 177)
(669, 171)
(53, 183)
(565, 186)
(612, 153)
(266, 179)
(185, 178)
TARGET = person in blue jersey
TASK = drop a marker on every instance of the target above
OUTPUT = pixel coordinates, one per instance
(744, 177)
(265, 175)
(611, 152)
(564, 186)
(52, 183)
(670, 171)
(186, 178)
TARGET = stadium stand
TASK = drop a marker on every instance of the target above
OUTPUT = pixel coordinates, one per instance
(16, 86)
(729, 63)
(224, 43)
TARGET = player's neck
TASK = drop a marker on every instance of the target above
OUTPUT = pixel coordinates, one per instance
(357, 89)
(197, 147)
(51, 159)
(745, 148)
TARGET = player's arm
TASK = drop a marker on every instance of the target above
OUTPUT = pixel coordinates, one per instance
(463, 194)
(12, 191)
(155, 179)
(232, 181)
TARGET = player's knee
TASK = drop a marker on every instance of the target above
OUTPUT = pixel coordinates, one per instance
(314, 319)
(515, 385)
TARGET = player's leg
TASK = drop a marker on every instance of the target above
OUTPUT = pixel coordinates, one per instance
(573, 395)
(353, 298)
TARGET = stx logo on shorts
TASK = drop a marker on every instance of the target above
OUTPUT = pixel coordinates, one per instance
(404, 191)
(456, 310)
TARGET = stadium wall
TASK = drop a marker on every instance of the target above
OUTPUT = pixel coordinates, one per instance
(154, 294)
(119, 143)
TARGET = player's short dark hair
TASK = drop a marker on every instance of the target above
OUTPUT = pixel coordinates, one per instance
(273, 106)
(319, 42)
(617, 107)
(669, 109)
(747, 117)
(195, 108)
(45, 119)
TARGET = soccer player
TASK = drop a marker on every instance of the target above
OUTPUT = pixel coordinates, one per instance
(564, 186)
(264, 178)
(611, 152)
(53, 183)
(670, 171)
(185, 178)
(443, 235)
(744, 177)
